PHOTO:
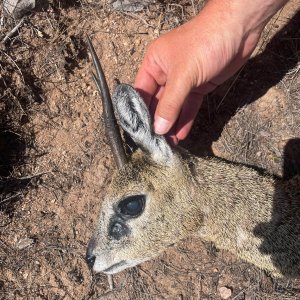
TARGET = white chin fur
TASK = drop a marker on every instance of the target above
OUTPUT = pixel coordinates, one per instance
(110, 270)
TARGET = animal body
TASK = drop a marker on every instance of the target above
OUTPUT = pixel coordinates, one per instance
(160, 195)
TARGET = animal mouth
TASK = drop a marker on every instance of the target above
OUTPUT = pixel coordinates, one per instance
(112, 269)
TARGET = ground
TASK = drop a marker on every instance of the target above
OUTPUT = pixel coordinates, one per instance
(55, 161)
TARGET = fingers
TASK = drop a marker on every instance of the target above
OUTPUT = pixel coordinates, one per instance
(189, 110)
(149, 78)
(170, 104)
(154, 101)
(188, 115)
(146, 85)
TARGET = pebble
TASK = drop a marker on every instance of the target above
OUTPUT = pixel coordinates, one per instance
(24, 243)
(225, 292)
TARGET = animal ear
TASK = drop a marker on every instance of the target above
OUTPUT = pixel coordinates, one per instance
(135, 119)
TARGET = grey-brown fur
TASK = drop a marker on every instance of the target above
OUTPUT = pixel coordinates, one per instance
(251, 214)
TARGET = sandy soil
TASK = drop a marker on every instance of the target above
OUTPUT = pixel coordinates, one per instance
(56, 162)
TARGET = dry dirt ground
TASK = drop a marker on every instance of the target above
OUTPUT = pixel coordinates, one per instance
(55, 162)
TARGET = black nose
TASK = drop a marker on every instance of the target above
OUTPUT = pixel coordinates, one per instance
(90, 259)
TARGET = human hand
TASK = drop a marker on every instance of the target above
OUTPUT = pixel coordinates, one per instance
(180, 67)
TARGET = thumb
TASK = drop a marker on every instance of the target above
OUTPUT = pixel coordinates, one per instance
(171, 102)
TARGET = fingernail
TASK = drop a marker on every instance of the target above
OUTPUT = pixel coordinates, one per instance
(161, 125)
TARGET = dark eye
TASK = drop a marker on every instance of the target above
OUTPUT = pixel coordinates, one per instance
(132, 206)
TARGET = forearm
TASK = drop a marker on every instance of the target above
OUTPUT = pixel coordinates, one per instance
(257, 13)
(234, 26)
(253, 15)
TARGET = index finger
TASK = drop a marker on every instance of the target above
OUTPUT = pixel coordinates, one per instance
(146, 85)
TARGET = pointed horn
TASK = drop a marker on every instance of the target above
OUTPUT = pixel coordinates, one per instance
(112, 130)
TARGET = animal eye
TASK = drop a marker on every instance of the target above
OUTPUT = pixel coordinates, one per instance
(132, 206)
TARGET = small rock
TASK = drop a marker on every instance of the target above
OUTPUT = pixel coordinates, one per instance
(24, 243)
(225, 292)
(18, 8)
(25, 274)
(130, 5)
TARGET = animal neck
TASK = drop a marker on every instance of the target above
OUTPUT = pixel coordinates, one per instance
(230, 198)
(251, 214)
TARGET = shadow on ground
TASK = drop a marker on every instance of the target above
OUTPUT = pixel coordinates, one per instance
(12, 155)
(281, 235)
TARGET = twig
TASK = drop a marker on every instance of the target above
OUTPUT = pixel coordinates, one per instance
(1, 22)
(193, 5)
(10, 198)
(180, 7)
(122, 33)
(34, 175)
(15, 65)
(239, 294)
(229, 89)
(13, 31)
(137, 17)
(17, 103)
(110, 282)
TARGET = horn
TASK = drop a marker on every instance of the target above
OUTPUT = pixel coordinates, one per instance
(112, 130)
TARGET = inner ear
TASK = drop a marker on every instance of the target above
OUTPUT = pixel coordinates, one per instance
(133, 113)
(130, 144)
(135, 119)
